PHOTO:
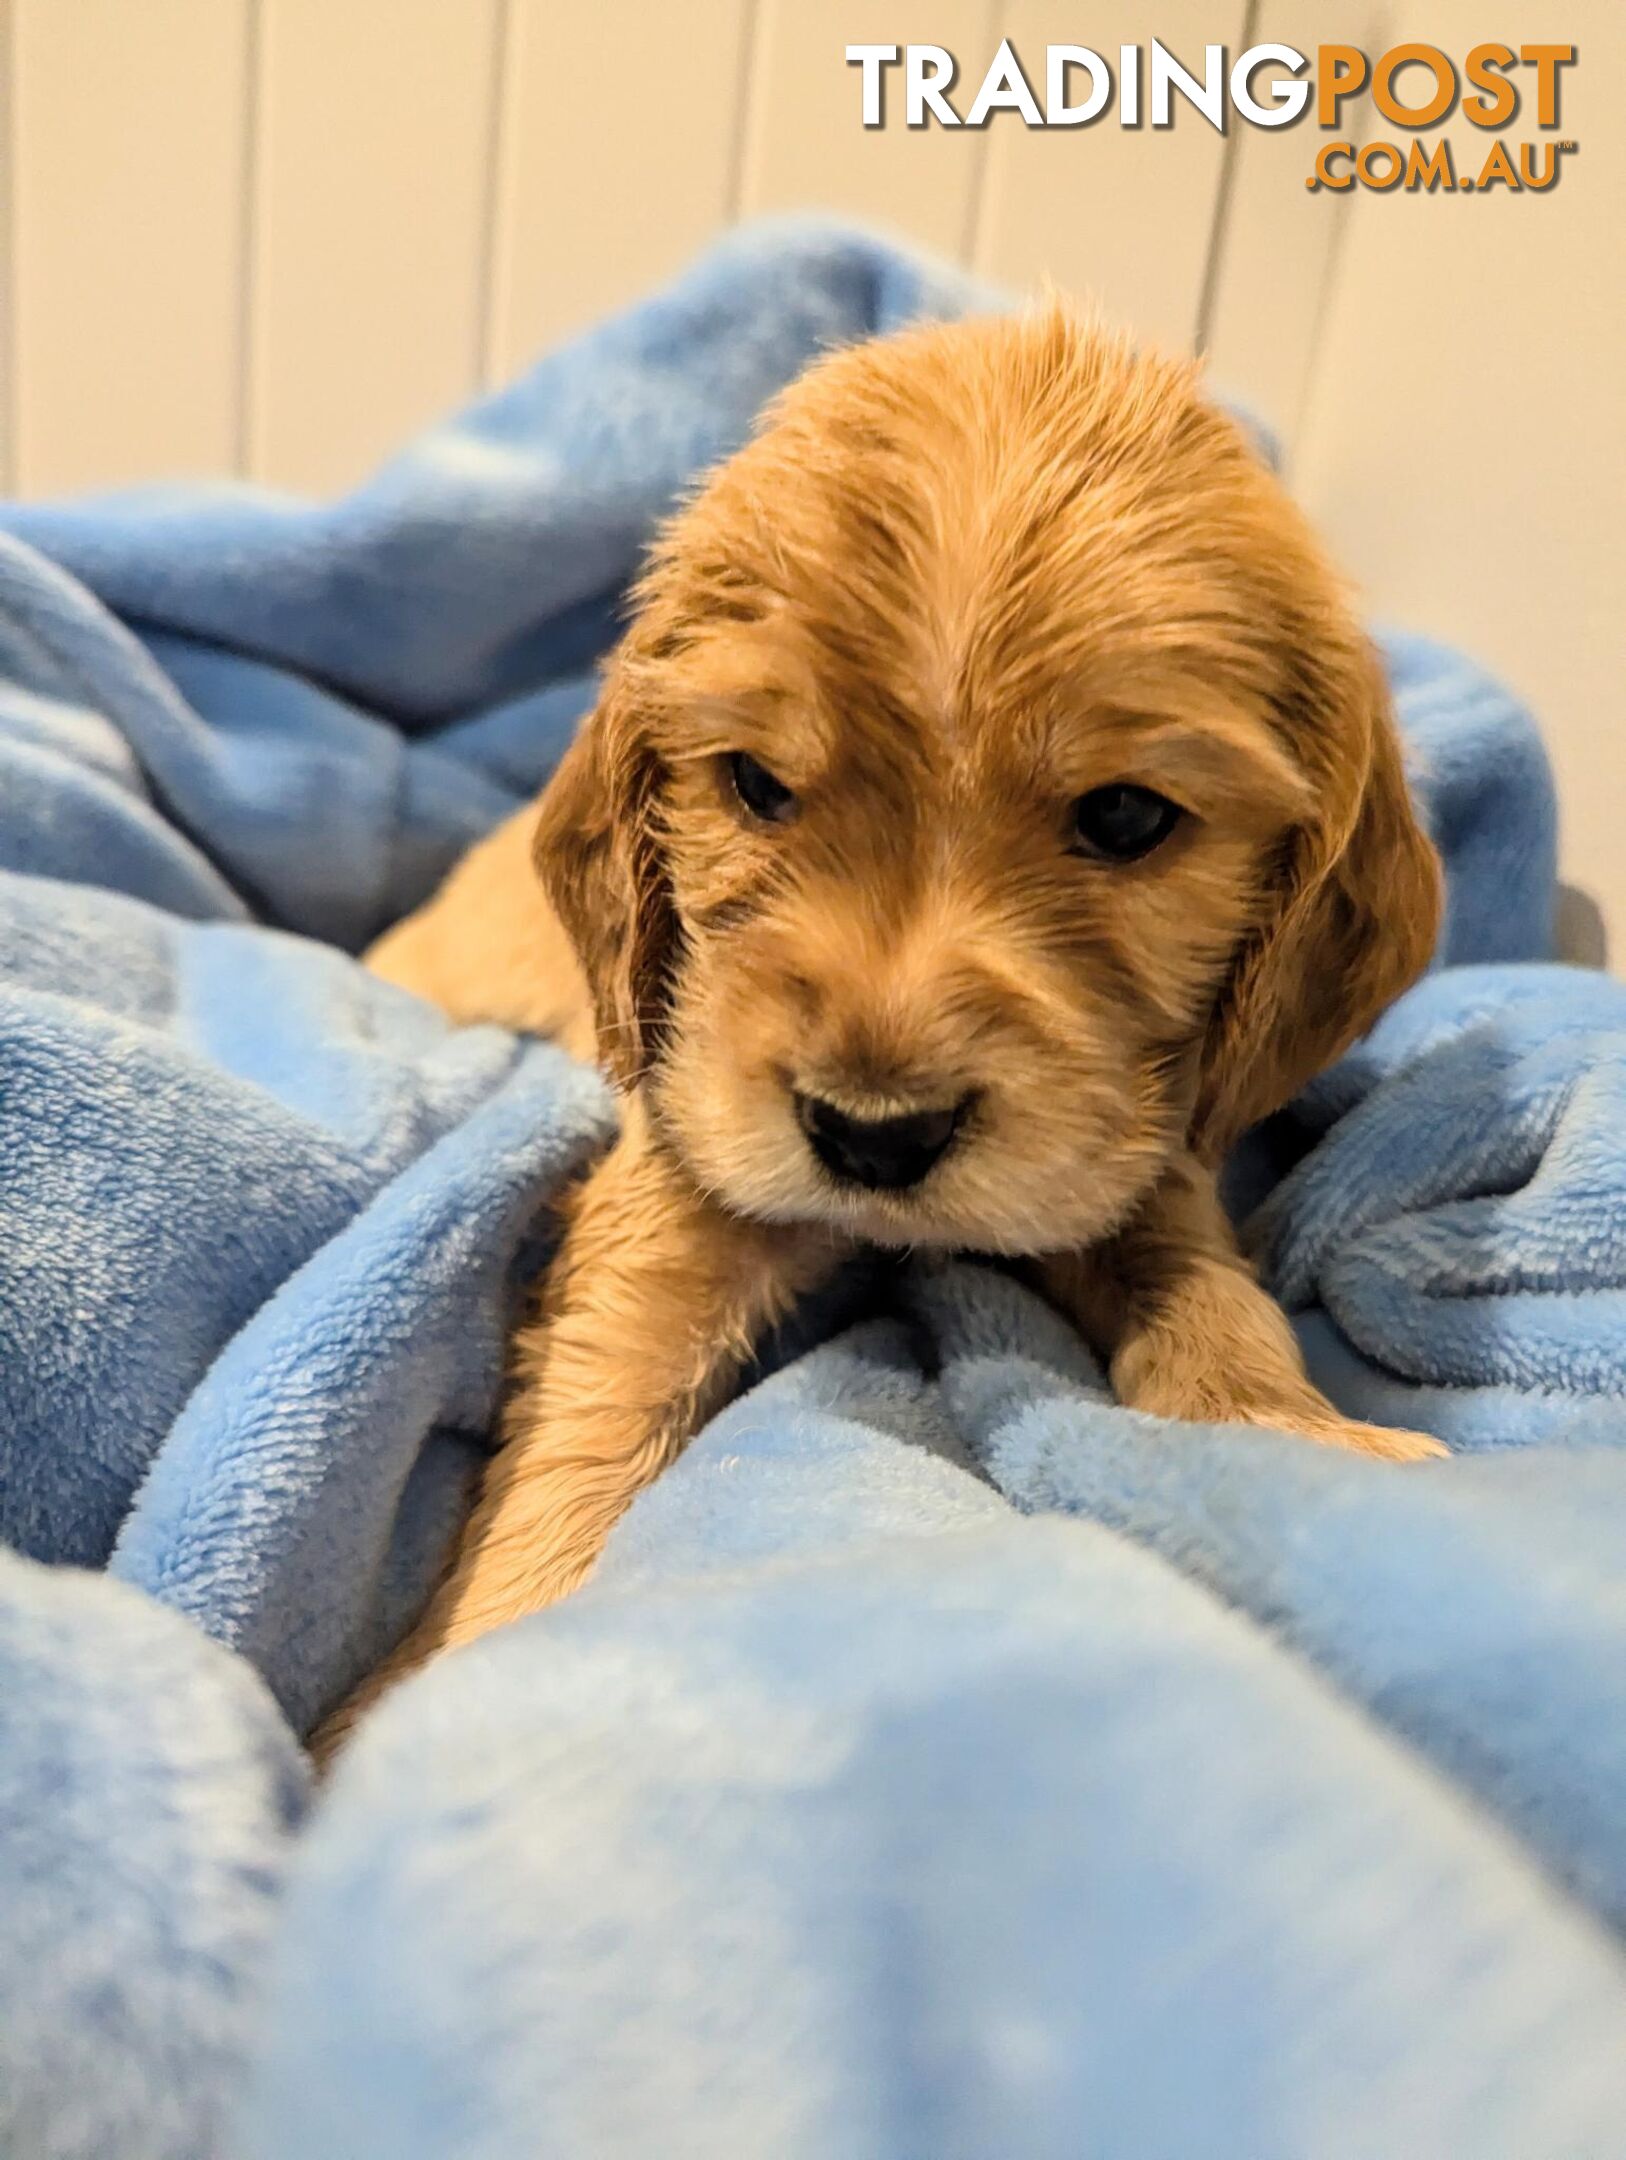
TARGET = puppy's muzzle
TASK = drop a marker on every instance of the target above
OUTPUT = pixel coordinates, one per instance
(882, 1154)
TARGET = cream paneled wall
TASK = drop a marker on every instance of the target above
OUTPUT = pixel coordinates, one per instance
(272, 237)
(1464, 437)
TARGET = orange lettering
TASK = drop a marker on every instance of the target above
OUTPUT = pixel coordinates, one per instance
(1323, 166)
(1484, 65)
(1428, 172)
(1414, 116)
(1547, 60)
(1527, 165)
(1367, 165)
(1498, 166)
(1341, 70)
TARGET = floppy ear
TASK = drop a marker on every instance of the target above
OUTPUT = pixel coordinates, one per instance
(599, 852)
(1351, 919)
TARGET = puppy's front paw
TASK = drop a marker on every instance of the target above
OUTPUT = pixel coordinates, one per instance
(1387, 1443)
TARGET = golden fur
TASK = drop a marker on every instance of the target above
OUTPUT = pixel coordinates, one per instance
(959, 579)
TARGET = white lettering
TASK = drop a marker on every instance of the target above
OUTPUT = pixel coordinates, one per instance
(1129, 86)
(923, 92)
(1005, 88)
(1288, 99)
(1208, 95)
(1058, 59)
(873, 59)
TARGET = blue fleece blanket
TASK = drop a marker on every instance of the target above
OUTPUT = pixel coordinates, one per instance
(944, 1761)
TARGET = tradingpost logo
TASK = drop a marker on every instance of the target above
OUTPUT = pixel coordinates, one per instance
(1410, 88)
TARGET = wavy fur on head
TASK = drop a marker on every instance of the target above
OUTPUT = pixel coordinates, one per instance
(959, 579)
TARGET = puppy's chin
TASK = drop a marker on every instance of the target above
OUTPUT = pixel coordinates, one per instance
(743, 1146)
(932, 1217)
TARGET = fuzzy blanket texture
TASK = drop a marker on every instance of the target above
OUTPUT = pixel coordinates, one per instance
(944, 1761)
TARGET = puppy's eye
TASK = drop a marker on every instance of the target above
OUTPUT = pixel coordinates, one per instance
(762, 794)
(1122, 823)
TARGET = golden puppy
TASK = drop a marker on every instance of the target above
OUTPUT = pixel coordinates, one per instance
(993, 810)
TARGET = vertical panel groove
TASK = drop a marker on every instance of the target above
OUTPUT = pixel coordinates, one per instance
(7, 251)
(497, 284)
(1320, 319)
(1220, 223)
(973, 237)
(248, 240)
(10, 406)
(748, 142)
(1278, 258)
(745, 93)
(497, 106)
(1380, 35)
(251, 413)
(806, 147)
(1124, 215)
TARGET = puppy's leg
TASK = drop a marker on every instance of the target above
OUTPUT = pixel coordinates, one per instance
(650, 1311)
(1173, 1306)
(488, 945)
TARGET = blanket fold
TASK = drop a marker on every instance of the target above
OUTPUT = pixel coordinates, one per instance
(944, 1760)
(1463, 1216)
(148, 1794)
(885, 1797)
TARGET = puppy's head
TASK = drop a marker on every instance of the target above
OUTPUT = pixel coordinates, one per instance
(993, 795)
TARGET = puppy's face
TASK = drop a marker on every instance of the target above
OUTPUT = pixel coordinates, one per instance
(946, 963)
(992, 798)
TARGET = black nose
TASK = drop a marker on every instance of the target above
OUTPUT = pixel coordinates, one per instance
(885, 1154)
